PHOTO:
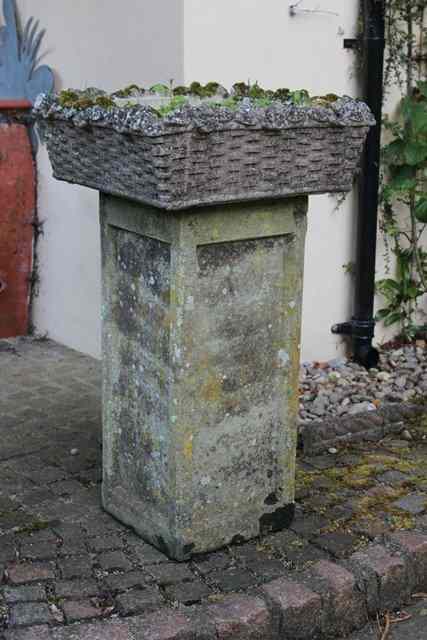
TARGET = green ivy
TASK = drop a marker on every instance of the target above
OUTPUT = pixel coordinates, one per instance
(404, 168)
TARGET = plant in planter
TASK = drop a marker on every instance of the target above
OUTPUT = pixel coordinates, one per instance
(196, 145)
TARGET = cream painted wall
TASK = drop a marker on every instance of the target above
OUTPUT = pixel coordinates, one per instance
(91, 43)
(229, 41)
(109, 44)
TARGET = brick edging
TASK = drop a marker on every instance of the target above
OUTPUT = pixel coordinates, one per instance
(318, 436)
(328, 600)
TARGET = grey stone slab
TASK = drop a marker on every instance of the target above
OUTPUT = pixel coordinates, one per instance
(140, 601)
(29, 613)
(414, 504)
(34, 593)
(393, 477)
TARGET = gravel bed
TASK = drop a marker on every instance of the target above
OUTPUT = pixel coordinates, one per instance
(341, 387)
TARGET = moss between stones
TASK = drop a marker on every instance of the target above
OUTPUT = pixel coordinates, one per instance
(362, 475)
(33, 527)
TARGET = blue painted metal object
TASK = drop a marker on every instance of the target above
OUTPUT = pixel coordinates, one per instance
(20, 76)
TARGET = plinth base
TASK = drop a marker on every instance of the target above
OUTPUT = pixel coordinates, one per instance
(201, 328)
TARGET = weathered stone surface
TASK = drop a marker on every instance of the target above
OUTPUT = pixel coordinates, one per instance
(295, 609)
(163, 625)
(29, 613)
(414, 546)
(201, 325)
(140, 601)
(122, 582)
(382, 576)
(414, 504)
(114, 561)
(118, 630)
(166, 574)
(240, 617)
(38, 632)
(33, 593)
(78, 567)
(188, 593)
(76, 588)
(30, 572)
(339, 544)
(344, 602)
(80, 610)
(233, 579)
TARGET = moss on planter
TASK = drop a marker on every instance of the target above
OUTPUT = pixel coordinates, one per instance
(179, 96)
(81, 100)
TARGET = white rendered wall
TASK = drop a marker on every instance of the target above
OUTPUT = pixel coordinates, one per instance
(238, 40)
(106, 44)
(111, 44)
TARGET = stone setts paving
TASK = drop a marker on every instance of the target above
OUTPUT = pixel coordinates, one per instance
(69, 571)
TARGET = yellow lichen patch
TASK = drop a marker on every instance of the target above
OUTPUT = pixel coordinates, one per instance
(304, 479)
(188, 448)
(265, 547)
(355, 477)
(211, 390)
(416, 482)
(401, 521)
(382, 500)
(353, 481)
(391, 463)
(216, 597)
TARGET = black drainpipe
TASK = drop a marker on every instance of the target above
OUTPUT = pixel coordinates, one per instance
(362, 326)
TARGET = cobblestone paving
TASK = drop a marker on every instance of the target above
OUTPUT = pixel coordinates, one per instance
(415, 628)
(69, 571)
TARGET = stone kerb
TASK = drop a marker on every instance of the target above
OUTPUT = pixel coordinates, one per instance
(329, 600)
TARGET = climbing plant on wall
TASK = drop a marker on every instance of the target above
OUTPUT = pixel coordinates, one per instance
(404, 166)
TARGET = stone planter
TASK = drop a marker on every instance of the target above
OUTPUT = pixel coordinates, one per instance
(202, 306)
(206, 155)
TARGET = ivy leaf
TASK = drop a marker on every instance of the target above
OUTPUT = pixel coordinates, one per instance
(418, 118)
(392, 318)
(382, 313)
(421, 210)
(422, 88)
(387, 284)
(403, 178)
(394, 152)
(413, 292)
(415, 153)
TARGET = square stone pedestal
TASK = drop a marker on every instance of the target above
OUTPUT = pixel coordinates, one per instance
(201, 330)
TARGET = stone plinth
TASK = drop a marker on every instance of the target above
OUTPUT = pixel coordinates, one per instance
(201, 330)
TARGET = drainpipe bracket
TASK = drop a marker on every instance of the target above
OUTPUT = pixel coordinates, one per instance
(364, 329)
(352, 43)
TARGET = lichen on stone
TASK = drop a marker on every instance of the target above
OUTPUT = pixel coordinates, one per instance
(162, 110)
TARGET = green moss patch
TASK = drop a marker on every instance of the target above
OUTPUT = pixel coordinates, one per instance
(211, 93)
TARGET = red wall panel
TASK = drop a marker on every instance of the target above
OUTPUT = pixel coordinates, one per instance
(17, 210)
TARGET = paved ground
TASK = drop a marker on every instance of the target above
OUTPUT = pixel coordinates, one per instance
(64, 562)
(415, 628)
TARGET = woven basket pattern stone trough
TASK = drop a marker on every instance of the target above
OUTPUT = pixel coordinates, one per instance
(205, 155)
